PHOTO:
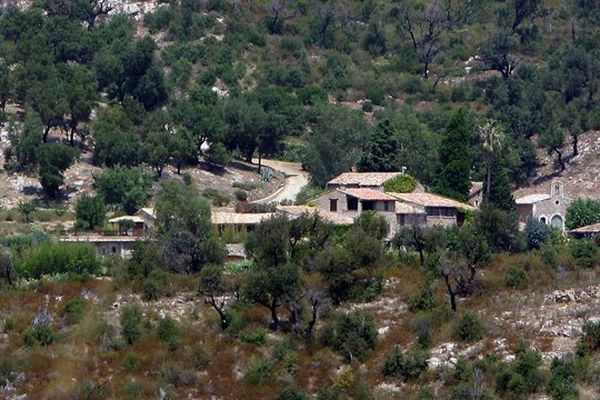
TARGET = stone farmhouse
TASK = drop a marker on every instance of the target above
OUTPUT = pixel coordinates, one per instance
(351, 194)
(550, 208)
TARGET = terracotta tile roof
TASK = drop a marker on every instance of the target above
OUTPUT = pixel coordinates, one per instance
(476, 187)
(532, 198)
(406, 208)
(363, 178)
(430, 200)
(594, 228)
(233, 218)
(329, 216)
(367, 194)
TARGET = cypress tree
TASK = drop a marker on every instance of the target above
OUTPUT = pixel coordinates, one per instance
(500, 194)
(453, 177)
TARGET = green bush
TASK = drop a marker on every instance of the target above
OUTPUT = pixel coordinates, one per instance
(168, 332)
(254, 336)
(523, 376)
(38, 334)
(409, 365)
(536, 233)
(241, 195)
(423, 300)
(422, 327)
(400, 184)
(259, 372)
(292, 393)
(130, 362)
(583, 251)
(131, 323)
(352, 335)
(217, 198)
(591, 335)
(58, 258)
(74, 309)
(468, 327)
(562, 380)
(9, 324)
(367, 106)
(8, 372)
(200, 356)
(156, 285)
(516, 278)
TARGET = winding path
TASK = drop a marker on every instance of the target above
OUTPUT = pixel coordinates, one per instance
(295, 180)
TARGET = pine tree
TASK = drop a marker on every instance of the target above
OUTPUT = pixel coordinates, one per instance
(500, 194)
(453, 177)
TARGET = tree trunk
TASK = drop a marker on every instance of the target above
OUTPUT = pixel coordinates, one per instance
(259, 163)
(46, 133)
(488, 181)
(451, 293)
(560, 160)
(274, 317)
(575, 143)
(421, 257)
(178, 167)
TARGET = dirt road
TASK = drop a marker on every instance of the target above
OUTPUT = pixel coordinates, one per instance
(295, 180)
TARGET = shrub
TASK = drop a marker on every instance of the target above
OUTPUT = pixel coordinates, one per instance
(131, 323)
(218, 199)
(9, 324)
(516, 278)
(200, 356)
(422, 300)
(8, 372)
(74, 309)
(187, 178)
(38, 334)
(58, 258)
(241, 195)
(130, 362)
(591, 335)
(400, 184)
(292, 393)
(255, 336)
(259, 372)
(536, 233)
(561, 383)
(352, 335)
(367, 106)
(156, 285)
(583, 251)
(422, 327)
(168, 332)
(410, 365)
(468, 327)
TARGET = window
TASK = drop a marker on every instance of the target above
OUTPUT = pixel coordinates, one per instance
(401, 219)
(543, 220)
(333, 205)
(386, 206)
(557, 202)
(368, 205)
(114, 250)
(352, 203)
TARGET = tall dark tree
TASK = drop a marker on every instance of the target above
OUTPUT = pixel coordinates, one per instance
(499, 192)
(454, 171)
(381, 152)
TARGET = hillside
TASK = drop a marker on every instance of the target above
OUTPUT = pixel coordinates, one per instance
(149, 151)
